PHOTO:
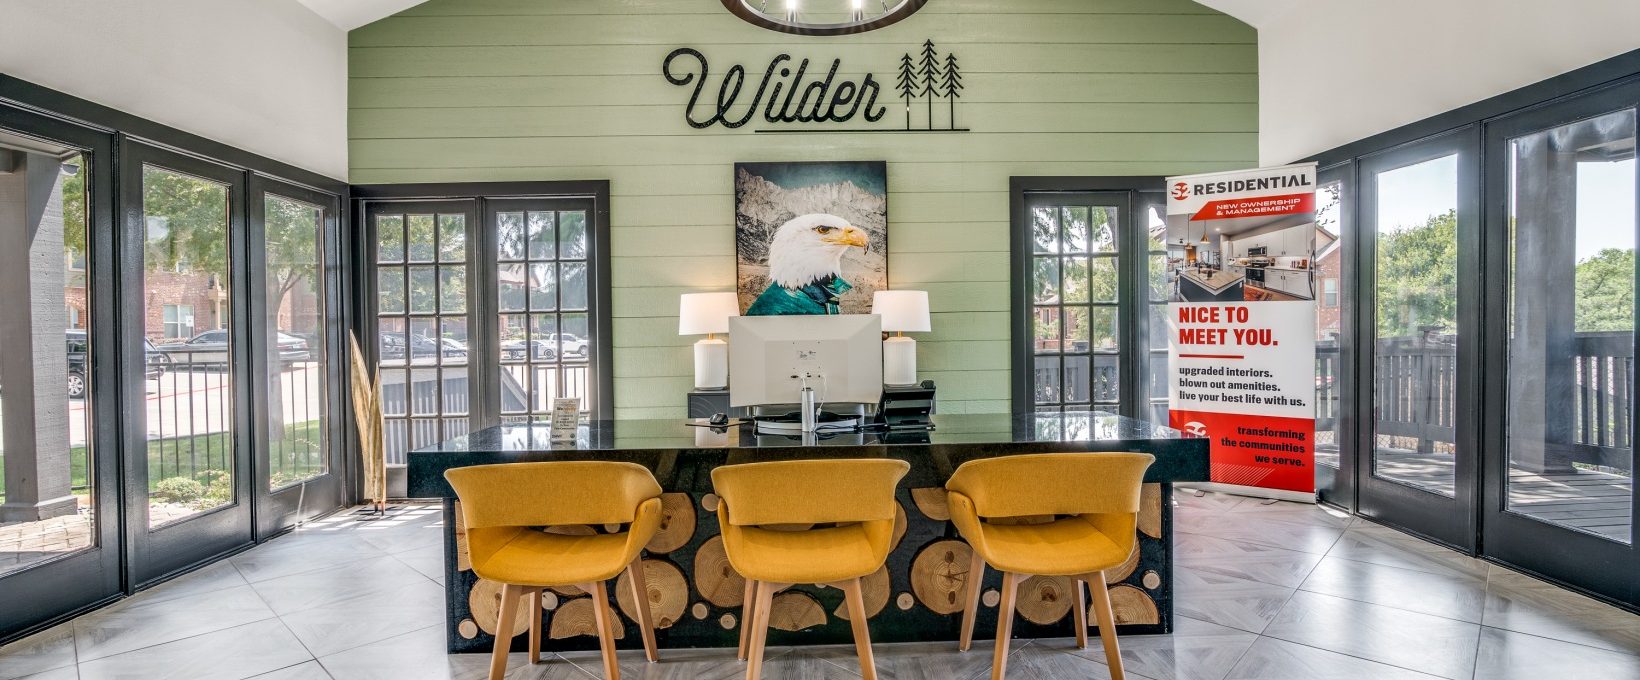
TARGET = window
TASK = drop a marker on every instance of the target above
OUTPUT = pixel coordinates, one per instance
(1329, 292)
(1081, 337)
(298, 413)
(541, 296)
(179, 322)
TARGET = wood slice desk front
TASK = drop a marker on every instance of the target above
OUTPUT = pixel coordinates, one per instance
(696, 596)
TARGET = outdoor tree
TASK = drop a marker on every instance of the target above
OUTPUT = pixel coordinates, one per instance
(929, 70)
(952, 85)
(1605, 291)
(1418, 278)
(907, 85)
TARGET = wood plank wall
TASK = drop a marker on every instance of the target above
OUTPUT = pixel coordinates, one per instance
(488, 90)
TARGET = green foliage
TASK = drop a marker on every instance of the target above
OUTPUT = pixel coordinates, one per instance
(1605, 291)
(178, 490)
(1418, 278)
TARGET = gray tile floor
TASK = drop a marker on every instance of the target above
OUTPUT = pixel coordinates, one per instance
(1268, 591)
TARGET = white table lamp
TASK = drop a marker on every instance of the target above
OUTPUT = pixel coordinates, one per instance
(903, 311)
(708, 314)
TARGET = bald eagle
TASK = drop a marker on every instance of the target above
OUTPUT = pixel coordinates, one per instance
(805, 266)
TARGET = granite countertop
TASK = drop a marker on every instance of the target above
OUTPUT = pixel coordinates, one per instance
(682, 455)
(1217, 282)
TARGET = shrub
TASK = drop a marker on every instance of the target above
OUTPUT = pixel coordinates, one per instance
(178, 490)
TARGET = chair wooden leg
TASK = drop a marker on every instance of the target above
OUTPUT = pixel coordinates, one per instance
(646, 619)
(1107, 625)
(510, 595)
(534, 603)
(970, 608)
(760, 629)
(605, 620)
(1081, 615)
(1005, 625)
(862, 634)
(748, 604)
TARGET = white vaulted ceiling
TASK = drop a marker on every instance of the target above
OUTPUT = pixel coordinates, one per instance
(350, 14)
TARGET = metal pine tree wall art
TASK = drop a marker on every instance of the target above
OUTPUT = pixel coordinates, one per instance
(925, 77)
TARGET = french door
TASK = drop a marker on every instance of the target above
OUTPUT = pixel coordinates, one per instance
(1417, 404)
(60, 540)
(1090, 298)
(1560, 246)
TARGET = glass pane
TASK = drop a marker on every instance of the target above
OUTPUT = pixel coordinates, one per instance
(543, 286)
(511, 280)
(1329, 373)
(1045, 280)
(424, 397)
(543, 236)
(1045, 229)
(1158, 328)
(390, 238)
(574, 335)
(295, 443)
(573, 285)
(423, 290)
(453, 338)
(509, 235)
(1079, 377)
(394, 402)
(1047, 380)
(49, 456)
(1103, 288)
(1156, 227)
(455, 391)
(514, 338)
(1416, 276)
(1107, 380)
(1571, 346)
(1047, 329)
(452, 289)
(1073, 226)
(572, 235)
(1103, 229)
(1076, 279)
(544, 337)
(391, 343)
(424, 343)
(1158, 278)
(420, 238)
(452, 238)
(390, 290)
(189, 417)
(1076, 330)
(1102, 329)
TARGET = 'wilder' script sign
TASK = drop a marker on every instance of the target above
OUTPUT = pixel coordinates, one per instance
(789, 95)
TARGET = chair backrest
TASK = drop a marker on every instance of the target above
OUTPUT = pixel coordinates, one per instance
(809, 491)
(1053, 483)
(551, 493)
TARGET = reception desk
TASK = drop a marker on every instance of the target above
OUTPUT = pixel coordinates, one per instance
(696, 596)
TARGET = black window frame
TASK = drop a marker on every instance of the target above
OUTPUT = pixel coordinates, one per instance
(1133, 284)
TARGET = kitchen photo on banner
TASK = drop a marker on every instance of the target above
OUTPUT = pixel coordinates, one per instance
(1241, 324)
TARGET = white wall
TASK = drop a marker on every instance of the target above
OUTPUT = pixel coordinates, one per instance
(1335, 71)
(267, 76)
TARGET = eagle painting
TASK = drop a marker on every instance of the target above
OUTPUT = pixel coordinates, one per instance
(806, 266)
(810, 237)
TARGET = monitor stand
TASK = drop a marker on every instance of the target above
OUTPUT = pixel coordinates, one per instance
(792, 423)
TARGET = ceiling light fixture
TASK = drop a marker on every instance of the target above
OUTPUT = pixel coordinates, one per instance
(823, 17)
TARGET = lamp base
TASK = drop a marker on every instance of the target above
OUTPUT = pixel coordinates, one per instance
(711, 364)
(899, 361)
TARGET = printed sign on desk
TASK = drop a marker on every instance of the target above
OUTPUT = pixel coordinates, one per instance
(1241, 322)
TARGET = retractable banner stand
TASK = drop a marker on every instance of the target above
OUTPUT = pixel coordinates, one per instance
(1241, 320)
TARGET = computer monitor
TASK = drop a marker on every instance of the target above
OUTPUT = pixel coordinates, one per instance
(772, 357)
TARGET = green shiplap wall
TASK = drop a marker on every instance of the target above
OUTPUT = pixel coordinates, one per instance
(490, 90)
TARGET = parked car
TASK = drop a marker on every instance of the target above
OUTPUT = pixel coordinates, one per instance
(211, 348)
(519, 350)
(79, 344)
(392, 348)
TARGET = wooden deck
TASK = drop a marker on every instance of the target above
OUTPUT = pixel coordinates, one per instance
(1595, 502)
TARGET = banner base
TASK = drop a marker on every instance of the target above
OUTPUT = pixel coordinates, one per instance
(1251, 491)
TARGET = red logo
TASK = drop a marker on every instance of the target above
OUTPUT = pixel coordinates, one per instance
(1181, 191)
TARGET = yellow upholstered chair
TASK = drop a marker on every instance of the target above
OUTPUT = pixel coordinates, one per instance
(852, 501)
(1087, 505)
(504, 508)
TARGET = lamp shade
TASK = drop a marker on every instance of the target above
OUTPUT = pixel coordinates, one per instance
(903, 311)
(706, 313)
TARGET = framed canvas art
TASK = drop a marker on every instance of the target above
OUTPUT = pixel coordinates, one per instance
(810, 237)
